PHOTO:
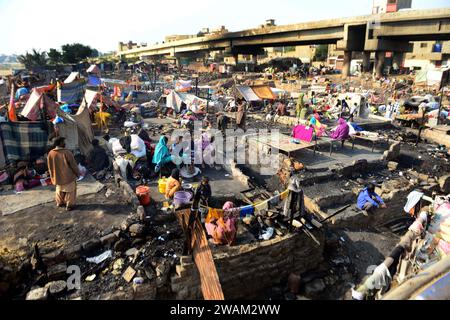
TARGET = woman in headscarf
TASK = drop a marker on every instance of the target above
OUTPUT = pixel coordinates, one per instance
(162, 154)
(223, 228)
(319, 128)
(341, 132)
(173, 184)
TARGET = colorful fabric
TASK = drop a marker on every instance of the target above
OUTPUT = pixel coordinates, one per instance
(248, 210)
(71, 92)
(284, 195)
(162, 153)
(341, 132)
(214, 214)
(263, 206)
(366, 197)
(24, 140)
(303, 133)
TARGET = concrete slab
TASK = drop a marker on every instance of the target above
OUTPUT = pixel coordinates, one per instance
(12, 202)
(345, 156)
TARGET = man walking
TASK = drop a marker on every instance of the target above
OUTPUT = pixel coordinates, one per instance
(64, 173)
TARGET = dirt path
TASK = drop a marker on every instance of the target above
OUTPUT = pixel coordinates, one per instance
(54, 228)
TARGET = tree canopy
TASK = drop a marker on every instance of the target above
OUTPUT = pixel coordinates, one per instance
(35, 58)
(69, 53)
(74, 53)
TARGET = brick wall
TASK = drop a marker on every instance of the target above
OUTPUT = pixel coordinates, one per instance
(246, 271)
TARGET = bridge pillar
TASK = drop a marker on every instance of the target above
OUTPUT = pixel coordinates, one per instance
(255, 59)
(380, 58)
(347, 63)
(366, 61)
(236, 58)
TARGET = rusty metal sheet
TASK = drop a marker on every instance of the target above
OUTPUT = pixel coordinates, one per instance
(203, 258)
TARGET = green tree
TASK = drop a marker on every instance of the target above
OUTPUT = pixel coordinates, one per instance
(74, 53)
(35, 58)
(321, 52)
(54, 56)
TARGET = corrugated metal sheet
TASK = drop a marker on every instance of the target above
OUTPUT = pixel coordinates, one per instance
(203, 259)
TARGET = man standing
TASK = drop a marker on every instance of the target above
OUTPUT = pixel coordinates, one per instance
(64, 173)
(241, 115)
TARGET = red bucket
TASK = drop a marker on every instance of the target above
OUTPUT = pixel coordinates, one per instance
(143, 194)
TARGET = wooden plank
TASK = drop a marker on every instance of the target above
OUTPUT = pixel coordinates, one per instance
(203, 258)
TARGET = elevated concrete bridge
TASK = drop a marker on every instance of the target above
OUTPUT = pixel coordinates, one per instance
(371, 33)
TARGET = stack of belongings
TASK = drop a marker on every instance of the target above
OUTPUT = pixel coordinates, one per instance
(130, 156)
(426, 242)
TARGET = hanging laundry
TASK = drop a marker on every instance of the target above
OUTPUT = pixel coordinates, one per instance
(284, 195)
(263, 206)
(274, 201)
(248, 210)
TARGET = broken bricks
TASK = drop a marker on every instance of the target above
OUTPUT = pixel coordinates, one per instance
(37, 294)
(129, 274)
(56, 287)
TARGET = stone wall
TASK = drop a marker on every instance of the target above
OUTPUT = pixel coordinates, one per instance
(246, 271)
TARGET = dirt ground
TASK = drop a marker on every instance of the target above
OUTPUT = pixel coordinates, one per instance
(54, 228)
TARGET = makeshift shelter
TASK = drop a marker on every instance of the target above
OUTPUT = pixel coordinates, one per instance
(71, 92)
(85, 131)
(255, 93)
(175, 99)
(432, 78)
(72, 77)
(94, 69)
(37, 103)
(24, 140)
(68, 129)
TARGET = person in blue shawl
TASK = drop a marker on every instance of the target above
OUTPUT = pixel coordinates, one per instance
(162, 154)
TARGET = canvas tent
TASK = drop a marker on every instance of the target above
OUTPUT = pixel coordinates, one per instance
(256, 93)
(72, 77)
(71, 92)
(432, 78)
(68, 129)
(175, 99)
(37, 101)
(93, 69)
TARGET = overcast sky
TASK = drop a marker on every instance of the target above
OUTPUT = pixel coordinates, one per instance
(44, 24)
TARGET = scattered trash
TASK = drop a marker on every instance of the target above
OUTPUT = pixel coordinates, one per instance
(138, 280)
(267, 234)
(100, 258)
(129, 274)
(91, 277)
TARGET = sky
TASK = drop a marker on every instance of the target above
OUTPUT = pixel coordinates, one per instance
(101, 24)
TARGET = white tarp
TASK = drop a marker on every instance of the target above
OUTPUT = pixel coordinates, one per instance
(29, 110)
(247, 93)
(90, 97)
(173, 101)
(72, 77)
(93, 69)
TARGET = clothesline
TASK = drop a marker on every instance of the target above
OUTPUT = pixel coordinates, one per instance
(251, 208)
